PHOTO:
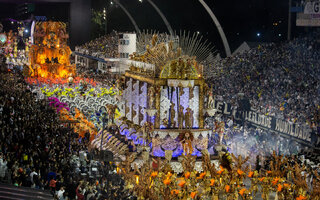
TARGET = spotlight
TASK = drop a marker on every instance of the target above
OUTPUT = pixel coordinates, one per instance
(140, 1)
(258, 34)
(26, 31)
(111, 2)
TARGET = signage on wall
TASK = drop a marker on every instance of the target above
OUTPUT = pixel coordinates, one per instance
(271, 123)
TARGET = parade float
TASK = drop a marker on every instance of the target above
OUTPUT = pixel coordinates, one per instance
(9, 48)
(50, 55)
(164, 98)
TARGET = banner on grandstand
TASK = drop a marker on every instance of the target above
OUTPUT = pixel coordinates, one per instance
(265, 122)
(310, 15)
(308, 19)
(312, 7)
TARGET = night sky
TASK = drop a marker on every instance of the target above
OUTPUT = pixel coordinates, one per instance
(241, 20)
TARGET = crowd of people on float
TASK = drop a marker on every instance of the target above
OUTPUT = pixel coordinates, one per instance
(38, 151)
(103, 47)
(279, 79)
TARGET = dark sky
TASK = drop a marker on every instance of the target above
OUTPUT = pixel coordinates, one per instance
(240, 19)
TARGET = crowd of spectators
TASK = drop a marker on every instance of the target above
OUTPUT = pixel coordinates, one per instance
(104, 79)
(255, 143)
(279, 79)
(38, 151)
(102, 47)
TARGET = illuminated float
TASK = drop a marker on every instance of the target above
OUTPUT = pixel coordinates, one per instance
(50, 55)
(164, 97)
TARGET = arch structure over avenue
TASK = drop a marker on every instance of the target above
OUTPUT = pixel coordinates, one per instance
(162, 16)
(129, 15)
(221, 32)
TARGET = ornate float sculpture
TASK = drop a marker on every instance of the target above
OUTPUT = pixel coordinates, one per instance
(166, 89)
(50, 54)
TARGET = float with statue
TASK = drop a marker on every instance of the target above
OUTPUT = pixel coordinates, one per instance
(168, 95)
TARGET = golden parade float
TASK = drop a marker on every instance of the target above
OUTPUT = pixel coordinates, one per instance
(164, 97)
(50, 55)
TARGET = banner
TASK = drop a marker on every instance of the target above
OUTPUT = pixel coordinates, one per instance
(308, 19)
(312, 7)
(300, 132)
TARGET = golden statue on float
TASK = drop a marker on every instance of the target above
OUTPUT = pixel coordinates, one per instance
(50, 55)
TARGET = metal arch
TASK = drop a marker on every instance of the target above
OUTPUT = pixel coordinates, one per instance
(215, 20)
(129, 15)
(162, 16)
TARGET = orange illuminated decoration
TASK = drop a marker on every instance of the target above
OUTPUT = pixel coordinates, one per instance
(212, 182)
(154, 174)
(193, 194)
(182, 183)
(167, 181)
(50, 55)
(187, 175)
(242, 191)
(227, 187)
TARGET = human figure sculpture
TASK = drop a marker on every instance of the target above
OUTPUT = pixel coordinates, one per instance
(111, 111)
(210, 103)
(151, 94)
(165, 122)
(172, 115)
(221, 126)
(188, 119)
(191, 95)
(146, 130)
(180, 117)
(181, 92)
(173, 69)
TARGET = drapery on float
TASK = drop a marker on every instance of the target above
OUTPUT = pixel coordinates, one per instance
(50, 54)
